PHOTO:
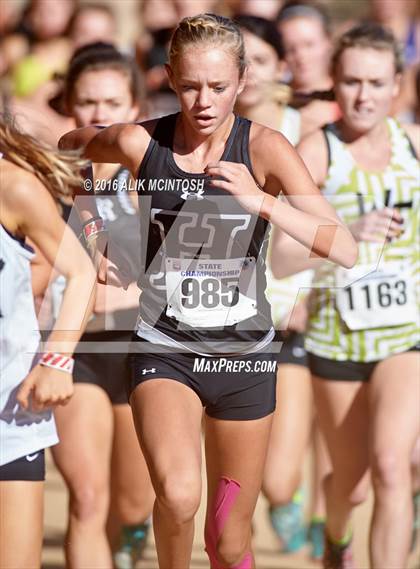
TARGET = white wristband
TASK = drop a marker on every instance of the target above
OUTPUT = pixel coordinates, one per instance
(57, 361)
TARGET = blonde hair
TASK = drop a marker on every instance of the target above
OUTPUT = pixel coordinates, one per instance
(369, 35)
(58, 171)
(208, 29)
(281, 93)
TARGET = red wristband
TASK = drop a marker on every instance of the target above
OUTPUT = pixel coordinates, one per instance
(93, 227)
(57, 361)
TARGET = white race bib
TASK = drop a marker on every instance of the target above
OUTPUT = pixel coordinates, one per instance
(211, 293)
(377, 298)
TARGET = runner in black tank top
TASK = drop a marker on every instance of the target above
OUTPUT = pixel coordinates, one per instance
(203, 314)
(203, 281)
(190, 219)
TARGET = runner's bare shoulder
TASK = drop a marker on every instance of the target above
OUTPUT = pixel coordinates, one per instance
(134, 138)
(313, 150)
(268, 150)
(22, 194)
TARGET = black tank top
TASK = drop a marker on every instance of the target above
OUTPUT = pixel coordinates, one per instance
(121, 217)
(203, 255)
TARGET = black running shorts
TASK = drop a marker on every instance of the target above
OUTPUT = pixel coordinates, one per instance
(238, 388)
(109, 370)
(292, 349)
(348, 370)
(30, 468)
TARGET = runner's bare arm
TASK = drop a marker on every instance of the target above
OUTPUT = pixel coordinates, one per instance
(305, 215)
(123, 144)
(32, 205)
(26, 205)
(288, 256)
(80, 139)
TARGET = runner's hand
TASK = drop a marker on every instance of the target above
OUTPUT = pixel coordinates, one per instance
(112, 266)
(45, 387)
(378, 226)
(237, 180)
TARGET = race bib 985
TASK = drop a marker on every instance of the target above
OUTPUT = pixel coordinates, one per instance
(211, 293)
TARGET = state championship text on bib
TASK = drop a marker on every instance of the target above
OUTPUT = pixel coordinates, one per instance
(211, 293)
(369, 298)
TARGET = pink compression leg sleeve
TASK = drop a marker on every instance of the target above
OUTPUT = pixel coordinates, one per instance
(226, 494)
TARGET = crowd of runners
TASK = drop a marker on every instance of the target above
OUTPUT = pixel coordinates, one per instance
(214, 232)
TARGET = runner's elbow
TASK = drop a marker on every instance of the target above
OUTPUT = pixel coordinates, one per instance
(71, 140)
(66, 141)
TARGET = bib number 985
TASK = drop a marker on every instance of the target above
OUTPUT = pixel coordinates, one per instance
(209, 292)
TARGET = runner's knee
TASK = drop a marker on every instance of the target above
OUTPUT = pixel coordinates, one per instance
(354, 491)
(390, 470)
(226, 549)
(89, 500)
(358, 494)
(180, 497)
(134, 506)
(279, 492)
(231, 550)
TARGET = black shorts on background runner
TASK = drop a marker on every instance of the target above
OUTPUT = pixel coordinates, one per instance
(347, 370)
(109, 370)
(292, 349)
(237, 388)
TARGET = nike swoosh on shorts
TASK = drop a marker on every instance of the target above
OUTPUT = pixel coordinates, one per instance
(32, 457)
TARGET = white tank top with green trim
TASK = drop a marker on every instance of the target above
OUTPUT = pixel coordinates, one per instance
(371, 311)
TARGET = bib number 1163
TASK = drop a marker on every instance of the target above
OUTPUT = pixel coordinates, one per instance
(382, 298)
(382, 295)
